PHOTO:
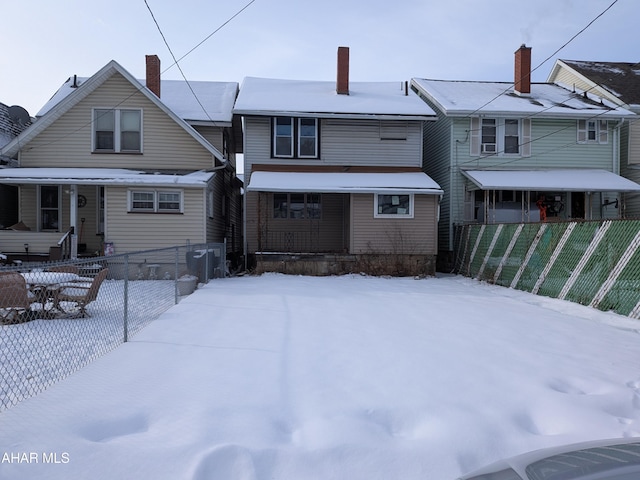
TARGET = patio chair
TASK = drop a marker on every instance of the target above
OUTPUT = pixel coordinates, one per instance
(81, 294)
(15, 301)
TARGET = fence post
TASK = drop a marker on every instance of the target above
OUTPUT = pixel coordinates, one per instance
(126, 297)
(175, 281)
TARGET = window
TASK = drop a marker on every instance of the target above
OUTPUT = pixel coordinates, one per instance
(117, 130)
(295, 137)
(50, 207)
(489, 136)
(496, 136)
(162, 201)
(393, 206)
(593, 131)
(297, 205)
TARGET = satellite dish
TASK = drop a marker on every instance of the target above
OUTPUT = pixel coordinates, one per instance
(19, 115)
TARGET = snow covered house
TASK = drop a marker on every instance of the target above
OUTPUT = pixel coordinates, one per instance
(521, 152)
(13, 120)
(333, 174)
(110, 160)
(618, 83)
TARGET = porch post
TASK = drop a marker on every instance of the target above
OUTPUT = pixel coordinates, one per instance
(73, 219)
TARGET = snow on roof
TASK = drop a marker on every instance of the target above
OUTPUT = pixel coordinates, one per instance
(498, 98)
(567, 180)
(102, 176)
(264, 96)
(622, 79)
(343, 182)
(214, 100)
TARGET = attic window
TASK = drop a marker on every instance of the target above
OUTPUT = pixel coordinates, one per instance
(117, 130)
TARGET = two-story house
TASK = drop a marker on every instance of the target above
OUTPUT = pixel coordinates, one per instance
(520, 152)
(618, 83)
(333, 174)
(135, 166)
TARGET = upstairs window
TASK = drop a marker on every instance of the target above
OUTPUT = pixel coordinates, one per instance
(295, 137)
(593, 131)
(500, 136)
(117, 130)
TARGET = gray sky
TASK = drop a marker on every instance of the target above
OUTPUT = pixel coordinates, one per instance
(47, 42)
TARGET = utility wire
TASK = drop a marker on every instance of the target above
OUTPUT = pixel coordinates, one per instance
(549, 57)
(164, 39)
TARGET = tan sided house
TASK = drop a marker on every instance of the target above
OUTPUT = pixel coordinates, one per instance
(112, 161)
(333, 174)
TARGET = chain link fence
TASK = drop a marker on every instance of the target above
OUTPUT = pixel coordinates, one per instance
(56, 318)
(594, 263)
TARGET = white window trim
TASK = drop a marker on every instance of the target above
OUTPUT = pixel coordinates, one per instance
(117, 131)
(524, 137)
(601, 131)
(394, 215)
(156, 200)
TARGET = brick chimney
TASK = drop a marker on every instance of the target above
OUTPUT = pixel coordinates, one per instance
(342, 84)
(522, 80)
(153, 74)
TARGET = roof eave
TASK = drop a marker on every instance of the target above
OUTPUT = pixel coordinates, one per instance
(371, 116)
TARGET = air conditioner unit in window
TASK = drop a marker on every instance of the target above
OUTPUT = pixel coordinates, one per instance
(488, 148)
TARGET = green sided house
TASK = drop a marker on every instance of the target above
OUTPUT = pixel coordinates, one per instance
(112, 161)
(333, 174)
(521, 152)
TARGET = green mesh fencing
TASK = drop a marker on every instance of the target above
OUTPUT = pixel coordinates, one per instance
(592, 263)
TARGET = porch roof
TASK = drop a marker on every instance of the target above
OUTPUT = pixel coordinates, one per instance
(343, 182)
(567, 180)
(102, 176)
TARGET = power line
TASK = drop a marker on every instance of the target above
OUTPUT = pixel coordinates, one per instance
(550, 56)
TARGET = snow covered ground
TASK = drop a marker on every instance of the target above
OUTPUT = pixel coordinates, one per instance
(353, 377)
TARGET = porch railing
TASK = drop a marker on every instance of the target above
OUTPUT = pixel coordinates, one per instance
(290, 242)
(65, 244)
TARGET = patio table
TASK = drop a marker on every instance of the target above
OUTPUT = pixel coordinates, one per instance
(45, 287)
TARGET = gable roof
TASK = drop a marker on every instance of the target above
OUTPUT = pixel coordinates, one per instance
(621, 79)
(463, 98)
(392, 100)
(214, 102)
(68, 96)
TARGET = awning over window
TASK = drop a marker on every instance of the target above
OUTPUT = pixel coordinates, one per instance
(566, 180)
(343, 182)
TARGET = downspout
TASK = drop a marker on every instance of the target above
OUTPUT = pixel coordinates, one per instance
(616, 164)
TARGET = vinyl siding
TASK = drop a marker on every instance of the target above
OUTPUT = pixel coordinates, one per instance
(414, 236)
(143, 231)
(342, 142)
(265, 232)
(68, 141)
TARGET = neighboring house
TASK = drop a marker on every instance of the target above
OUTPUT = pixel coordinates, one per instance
(619, 83)
(513, 152)
(13, 120)
(138, 167)
(333, 174)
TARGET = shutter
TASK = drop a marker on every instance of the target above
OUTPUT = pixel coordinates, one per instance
(526, 137)
(474, 135)
(582, 131)
(603, 135)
